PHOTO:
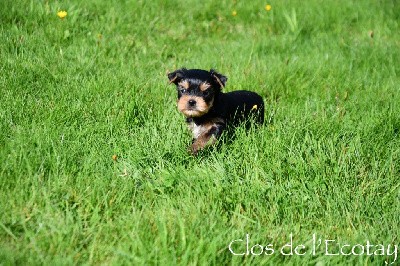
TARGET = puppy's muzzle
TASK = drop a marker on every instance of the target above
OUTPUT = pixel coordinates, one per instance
(193, 106)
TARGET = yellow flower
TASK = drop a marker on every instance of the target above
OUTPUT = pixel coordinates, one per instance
(62, 14)
(254, 107)
(268, 7)
(234, 13)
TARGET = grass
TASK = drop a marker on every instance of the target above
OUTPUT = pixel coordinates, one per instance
(78, 90)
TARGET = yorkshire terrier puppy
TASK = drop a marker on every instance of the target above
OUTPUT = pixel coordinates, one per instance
(207, 109)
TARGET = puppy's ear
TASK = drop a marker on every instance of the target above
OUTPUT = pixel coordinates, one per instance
(219, 78)
(176, 76)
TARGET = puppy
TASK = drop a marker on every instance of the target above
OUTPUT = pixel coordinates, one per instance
(208, 110)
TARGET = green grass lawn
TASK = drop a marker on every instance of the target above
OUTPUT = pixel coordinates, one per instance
(76, 91)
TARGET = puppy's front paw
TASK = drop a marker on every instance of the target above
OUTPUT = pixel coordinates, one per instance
(193, 149)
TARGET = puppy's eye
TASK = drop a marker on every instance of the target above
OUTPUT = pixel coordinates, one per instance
(183, 90)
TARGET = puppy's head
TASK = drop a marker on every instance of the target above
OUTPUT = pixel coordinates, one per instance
(196, 89)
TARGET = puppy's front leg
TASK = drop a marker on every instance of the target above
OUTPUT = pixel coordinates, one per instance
(206, 138)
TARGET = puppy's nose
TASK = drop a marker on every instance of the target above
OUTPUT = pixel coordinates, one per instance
(192, 102)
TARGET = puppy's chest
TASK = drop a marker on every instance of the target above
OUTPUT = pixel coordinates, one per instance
(197, 130)
(204, 127)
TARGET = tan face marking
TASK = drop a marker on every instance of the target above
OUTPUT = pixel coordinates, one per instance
(184, 84)
(204, 86)
(199, 109)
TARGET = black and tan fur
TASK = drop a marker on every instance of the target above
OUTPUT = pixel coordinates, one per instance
(207, 109)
